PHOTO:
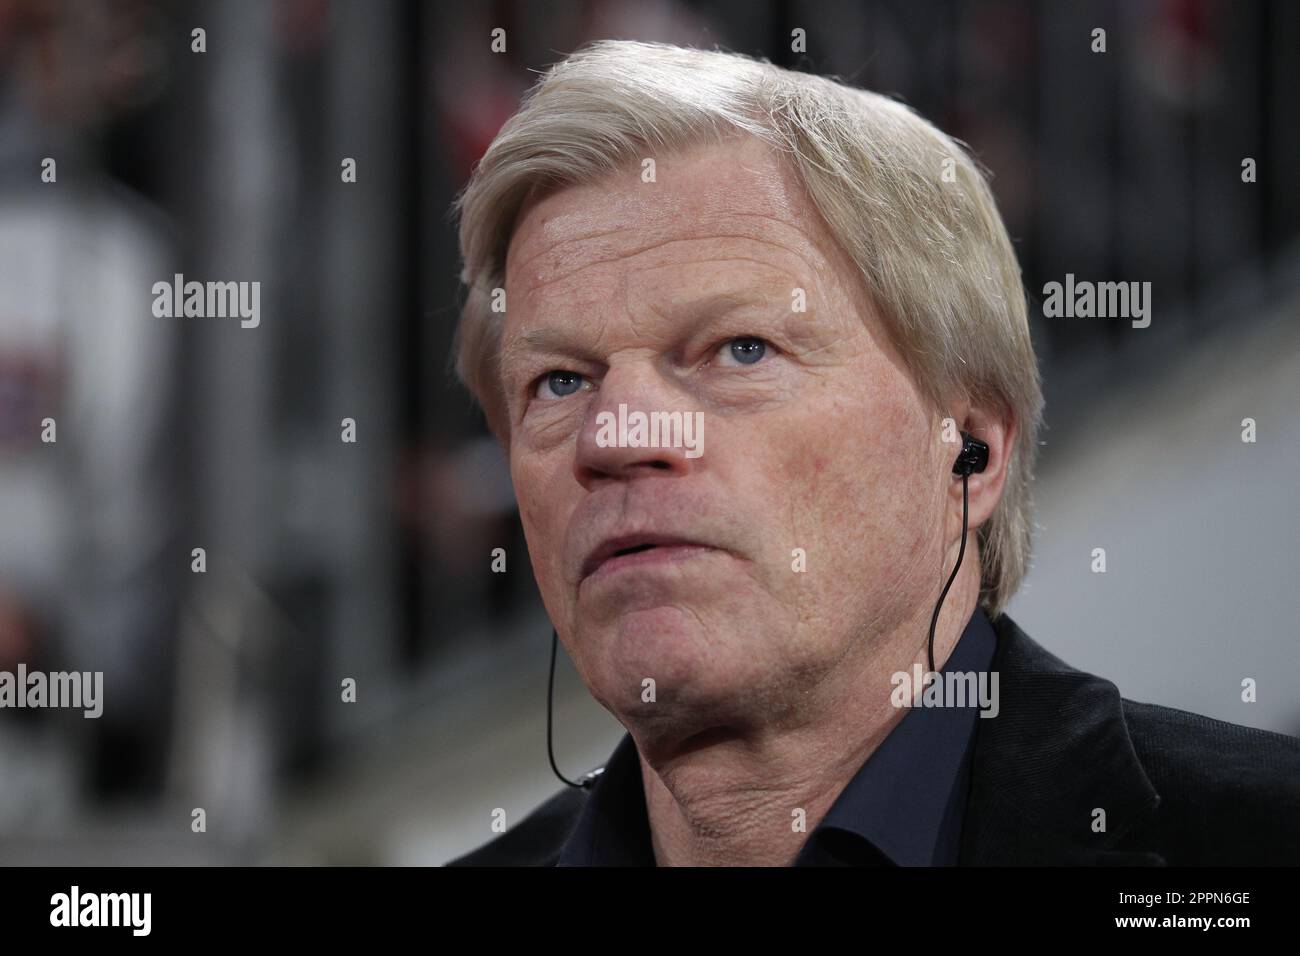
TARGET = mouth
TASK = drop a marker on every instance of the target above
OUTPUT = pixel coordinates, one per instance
(639, 550)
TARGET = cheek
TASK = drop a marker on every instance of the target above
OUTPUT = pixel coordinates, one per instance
(856, 492)
(541, 514)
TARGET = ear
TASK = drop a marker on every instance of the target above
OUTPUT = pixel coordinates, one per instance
(997, 429)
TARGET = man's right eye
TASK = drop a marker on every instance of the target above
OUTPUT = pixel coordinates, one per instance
(558, 384)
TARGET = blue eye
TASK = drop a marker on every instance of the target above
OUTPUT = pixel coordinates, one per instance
(559, 383)
(746, 350)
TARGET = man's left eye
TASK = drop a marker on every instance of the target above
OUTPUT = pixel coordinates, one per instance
(746, 350)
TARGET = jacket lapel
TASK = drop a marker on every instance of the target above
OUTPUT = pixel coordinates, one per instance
(1058, 751)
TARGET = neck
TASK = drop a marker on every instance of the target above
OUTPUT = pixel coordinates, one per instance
(737, 798)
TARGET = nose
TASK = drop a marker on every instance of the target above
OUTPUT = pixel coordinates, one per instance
(638, 426)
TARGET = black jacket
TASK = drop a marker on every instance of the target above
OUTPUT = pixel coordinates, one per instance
(1177, 788)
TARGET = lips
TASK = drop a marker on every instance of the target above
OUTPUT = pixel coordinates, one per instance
(624, 549)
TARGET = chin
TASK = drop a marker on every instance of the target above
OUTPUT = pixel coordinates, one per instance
(660, 642)
(691, 663)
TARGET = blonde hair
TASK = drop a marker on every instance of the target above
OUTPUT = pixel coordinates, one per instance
(906, 202)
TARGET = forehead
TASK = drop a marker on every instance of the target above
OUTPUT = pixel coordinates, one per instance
(737, 200)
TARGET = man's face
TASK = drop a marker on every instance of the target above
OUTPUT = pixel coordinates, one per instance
(681, 295)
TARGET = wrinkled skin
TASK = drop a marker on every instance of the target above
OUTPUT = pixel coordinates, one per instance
(771, 685)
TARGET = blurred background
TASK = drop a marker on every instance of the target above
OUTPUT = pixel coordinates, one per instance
(328, 560)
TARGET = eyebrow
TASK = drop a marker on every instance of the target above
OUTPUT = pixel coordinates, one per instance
(552, 340)
(548, 340)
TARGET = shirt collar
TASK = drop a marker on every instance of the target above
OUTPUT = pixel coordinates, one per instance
(906, 800)
(614, 828)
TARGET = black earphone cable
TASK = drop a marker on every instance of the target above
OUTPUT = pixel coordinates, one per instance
(550, 695)
(934, 620)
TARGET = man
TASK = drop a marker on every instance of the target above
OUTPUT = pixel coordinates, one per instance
(818, 281)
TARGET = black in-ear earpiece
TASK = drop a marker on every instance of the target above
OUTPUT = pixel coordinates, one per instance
(974, 456)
